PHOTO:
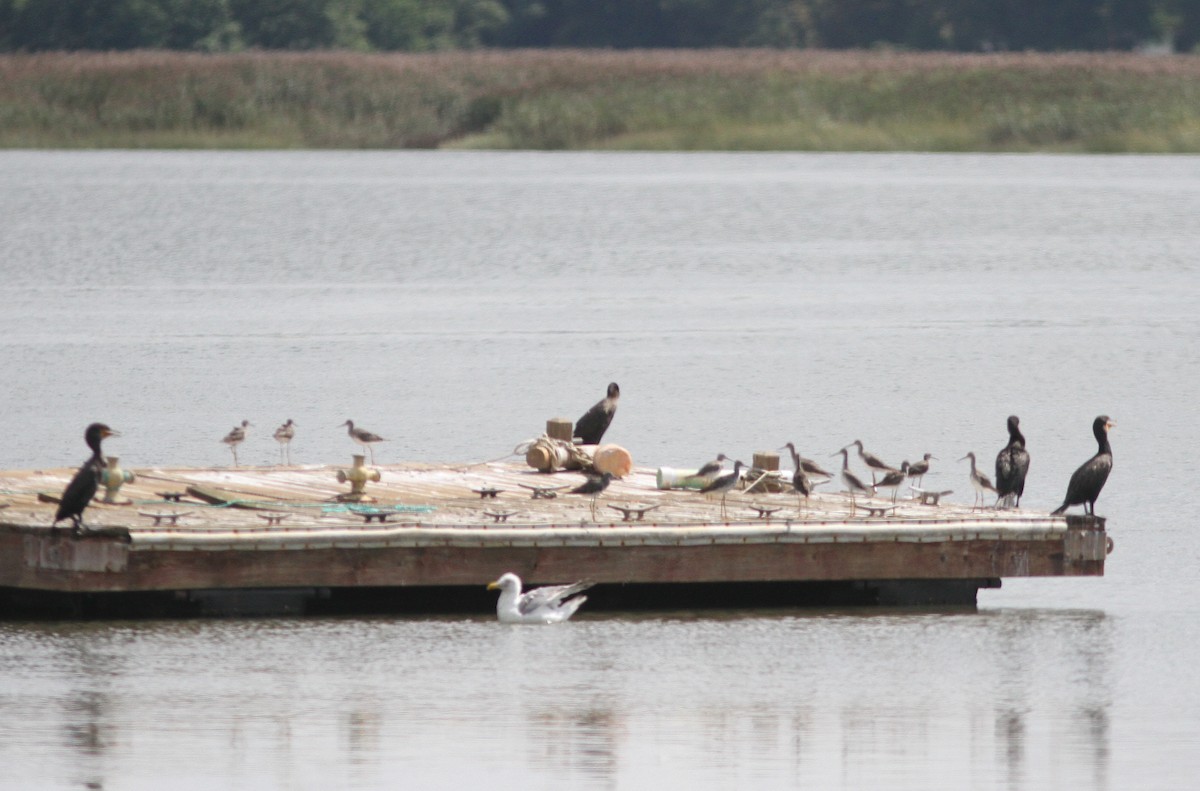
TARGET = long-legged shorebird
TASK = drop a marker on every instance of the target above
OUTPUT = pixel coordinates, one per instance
(918, 469)
(235, 437)
(871, 460)
(713, 468)
(724, 484)
(83, 485)
(1012, 465)
(1089, 479)
(363, 437)
(853, 483)
(980, 482)
(892, 480)
(800, 481)
(284, 435)
(594, 485)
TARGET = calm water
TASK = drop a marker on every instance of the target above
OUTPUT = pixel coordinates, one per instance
(453, 302)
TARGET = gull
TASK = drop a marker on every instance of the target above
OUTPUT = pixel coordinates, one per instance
(549, 604)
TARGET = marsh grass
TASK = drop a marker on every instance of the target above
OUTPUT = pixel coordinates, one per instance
(563, 99)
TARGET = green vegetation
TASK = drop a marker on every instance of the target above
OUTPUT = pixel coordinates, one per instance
(569, 99)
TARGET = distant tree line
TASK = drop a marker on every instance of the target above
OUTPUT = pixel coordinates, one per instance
(424, 25)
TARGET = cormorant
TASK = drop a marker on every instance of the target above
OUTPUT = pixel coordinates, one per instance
(593, 486)
(800, 481)
(979, 481)
(549, 604)
(1012, 465)
(591, 427)
(1088, 480)
(284, 435)
(235, 437)
(363, 437)
(713, 468)
(82, 488)
(852, 481)
(918, 468)
(871, 460)
(723, 484)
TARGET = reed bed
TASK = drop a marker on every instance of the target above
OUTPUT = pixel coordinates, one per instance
(572, 99)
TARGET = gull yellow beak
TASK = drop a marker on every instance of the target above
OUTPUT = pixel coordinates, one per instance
(493, 585)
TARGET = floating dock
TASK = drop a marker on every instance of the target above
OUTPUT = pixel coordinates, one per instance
(428, 538)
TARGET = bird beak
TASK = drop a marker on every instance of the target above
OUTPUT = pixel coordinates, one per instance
(493, 585)
(964, 458)
(110, 433)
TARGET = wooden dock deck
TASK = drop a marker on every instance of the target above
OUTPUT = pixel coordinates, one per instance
(434, 535)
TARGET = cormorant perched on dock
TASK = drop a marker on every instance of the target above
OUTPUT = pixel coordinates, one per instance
(82, 488)
(800, 481)
(852, 481)
(1088, 480)
(235, 437)
(723, 484)
(871, 460)
(979, 481)
(918, 468)
(593, 486)
(591, 427)
(713, 468)
(1012, 465)
(284, 435)
(363, 437)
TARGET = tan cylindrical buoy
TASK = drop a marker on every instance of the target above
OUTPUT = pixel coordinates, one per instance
(547, 458)
(560, 428)
(612, 458)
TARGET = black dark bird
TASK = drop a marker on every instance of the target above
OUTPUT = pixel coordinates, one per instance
(82, 488)
(591, 427)
(724, 484)
(1012, 465)
(1088, 480)
(918, 468)
(800, 481)
(593, 486)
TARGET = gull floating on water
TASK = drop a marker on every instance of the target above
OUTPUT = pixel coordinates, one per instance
(549, 604)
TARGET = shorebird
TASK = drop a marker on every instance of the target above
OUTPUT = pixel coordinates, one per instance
(808, 465)
(723, 484)
(979, 481)
(892, 480)
(1012, 465)
(918, 468)
(853, 483)
(284, 435)
(713, 468)
(1088, 480)
(800, 482)
(82, 488)
(235, 437)
(550, 604)
(591, 427)
(593, 486)
(363, 437)
(871, 460)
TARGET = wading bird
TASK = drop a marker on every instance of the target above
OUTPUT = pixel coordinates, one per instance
(979, 481)
(550, 604)
(363, 437)
(800, 481)
(713, 468)
(82, 487)
(284, 435)
(871, 460)
(1088, 480)
(724, 484)
(591, 427)
(1012, 465)
(918, 469)
(594, 485)
(853, 483)
(235, 437)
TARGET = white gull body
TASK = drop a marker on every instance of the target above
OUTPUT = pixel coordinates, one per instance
(549, 604)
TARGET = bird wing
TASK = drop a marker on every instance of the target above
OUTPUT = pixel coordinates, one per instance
(549, 597)
(712, 468)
